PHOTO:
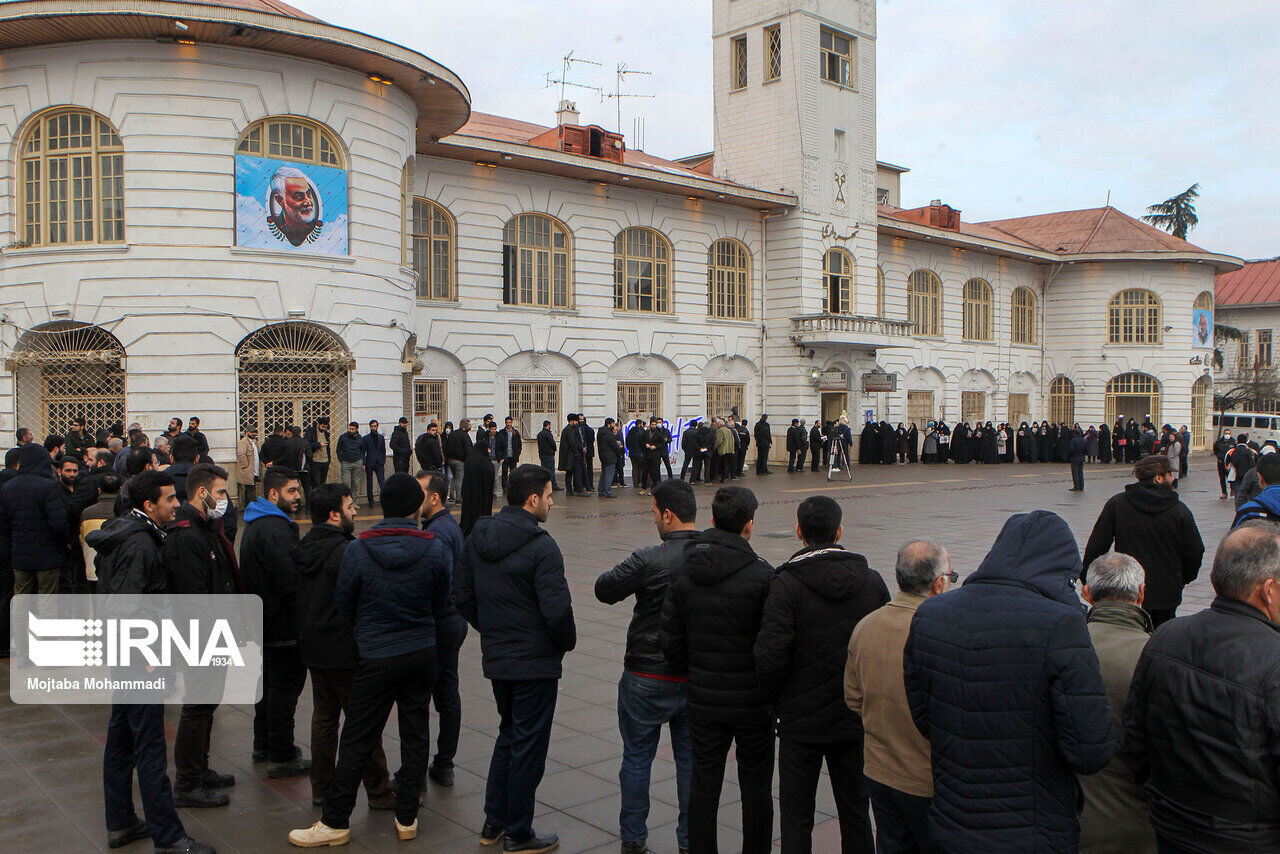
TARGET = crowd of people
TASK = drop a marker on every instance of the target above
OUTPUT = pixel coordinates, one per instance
(949, 716)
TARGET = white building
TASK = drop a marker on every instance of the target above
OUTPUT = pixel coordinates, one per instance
(1248, 299)
(236, 210)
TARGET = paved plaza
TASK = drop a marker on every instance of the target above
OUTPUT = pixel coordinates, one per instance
(51, 757)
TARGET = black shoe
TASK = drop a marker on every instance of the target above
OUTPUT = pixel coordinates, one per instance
(214, 780)
(635, 848)
(533, 845)
(186, 845)
(490, 835)
(440, 775)
(259, 756)
(295, 767)
(199, 798)
(121, 838)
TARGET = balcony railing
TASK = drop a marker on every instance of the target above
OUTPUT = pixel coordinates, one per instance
(853, 328)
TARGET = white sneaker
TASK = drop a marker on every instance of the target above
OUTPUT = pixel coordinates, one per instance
(319, 835)
(407, 832)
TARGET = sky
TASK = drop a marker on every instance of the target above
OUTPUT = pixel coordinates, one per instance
(1001, 108)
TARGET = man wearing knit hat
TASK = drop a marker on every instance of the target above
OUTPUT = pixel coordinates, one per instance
(393, 586)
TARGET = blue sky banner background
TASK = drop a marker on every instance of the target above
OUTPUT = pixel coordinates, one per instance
(1196, 314)
(253, 180)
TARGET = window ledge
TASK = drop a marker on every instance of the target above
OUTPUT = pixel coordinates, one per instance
(839, 85)
(929, 337)
(988, 341)
(64, 248)
(452, 302)
(277, 253)
(535, 309)
(736, 321)
(668, 316)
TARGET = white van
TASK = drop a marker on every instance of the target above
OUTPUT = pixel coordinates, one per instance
(1260, 426)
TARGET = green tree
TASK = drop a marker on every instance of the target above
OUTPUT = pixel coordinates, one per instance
(1176, 215)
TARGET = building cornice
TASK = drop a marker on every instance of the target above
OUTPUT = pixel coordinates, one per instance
(442, 99)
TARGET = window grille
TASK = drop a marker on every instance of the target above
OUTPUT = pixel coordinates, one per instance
(725, 398)
(740, 62)
(773, 53)
(1062, 401)
(67, 370)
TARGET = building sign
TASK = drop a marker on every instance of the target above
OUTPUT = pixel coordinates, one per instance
(876, 381)
(290, 206)
(1202, 327)
(833, 381)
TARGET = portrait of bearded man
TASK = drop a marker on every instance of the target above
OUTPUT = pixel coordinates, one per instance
(296, 213)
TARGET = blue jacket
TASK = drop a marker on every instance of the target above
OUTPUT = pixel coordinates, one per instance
(448, 532)
(33, 515)
(510, 585)
(1265, 506)
(373, 450)
(350, 448)
(1002, 680)
(1077, 449)
(393, 586)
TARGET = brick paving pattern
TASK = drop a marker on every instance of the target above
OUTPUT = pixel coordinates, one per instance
(51, 757)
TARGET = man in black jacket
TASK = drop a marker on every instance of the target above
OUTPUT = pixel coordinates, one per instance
(327, 642)
(266, 559)
(742, 436)
(511, 587)
(200, 561)
(817, 441)
(636, 439)
(194, 431)
(764, 441)
(318, 449)
(457, 447)
(662, 440)
(428, 449)
(710, 620)
(652, 692)
(572, 462)
(814, 602)
(1077, 449)
(547, 453)
(34, 532)
(130, 561)
(1201, 726)
(401, 446)
(506, 449)
(1148, 522)
(588, 449)
(275, 448)
(796, 440)
(610, 452)
(689, 447)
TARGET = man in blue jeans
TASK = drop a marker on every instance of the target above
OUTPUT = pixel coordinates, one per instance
(652, 690)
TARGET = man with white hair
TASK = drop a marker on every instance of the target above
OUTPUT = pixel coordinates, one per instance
(1202, 728)
(895, 754)
(1115, 819)
(295, 207)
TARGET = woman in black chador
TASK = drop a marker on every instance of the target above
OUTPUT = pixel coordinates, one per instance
(1104, 444)
(888, 444)
(900, 443)
(1064, 442)
(1008, 442)
(1133, 450)
(1022, 443)
(869, 444)
(1050, 451)
(962, 443)
(989, 444)
(913, 443)
(944, 442)
(1119, 441)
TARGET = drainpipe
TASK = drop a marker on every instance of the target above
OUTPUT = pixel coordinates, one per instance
(764, 302)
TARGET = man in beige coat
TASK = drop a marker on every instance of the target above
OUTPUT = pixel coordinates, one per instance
(895, 756)
(1115, 819)
(247, 467)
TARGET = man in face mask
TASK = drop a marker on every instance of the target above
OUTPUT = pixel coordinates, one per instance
(199, 560)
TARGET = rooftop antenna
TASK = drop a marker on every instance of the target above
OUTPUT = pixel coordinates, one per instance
(563, 80)
(623, 71)
(1108, 198)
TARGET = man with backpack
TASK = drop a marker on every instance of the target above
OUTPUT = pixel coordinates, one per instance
(1239, 461)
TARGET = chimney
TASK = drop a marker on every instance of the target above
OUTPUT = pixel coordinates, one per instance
(567, 114)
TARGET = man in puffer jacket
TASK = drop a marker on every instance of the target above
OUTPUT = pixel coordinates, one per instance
(510, 585)
(814, 603)
(1003, 681)
(33, 524)
(710, 621)
(1265, 503)
(393, 586)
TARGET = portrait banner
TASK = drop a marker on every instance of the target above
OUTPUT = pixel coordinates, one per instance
(1202, 327)
(290, 206)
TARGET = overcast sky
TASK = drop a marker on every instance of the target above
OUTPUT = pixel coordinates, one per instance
(1000, 108)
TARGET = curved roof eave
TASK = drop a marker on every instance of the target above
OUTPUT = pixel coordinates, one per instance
(443, 101)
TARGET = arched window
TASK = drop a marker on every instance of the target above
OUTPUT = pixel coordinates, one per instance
(1023, 316)
(729, 280)
(837, 268)
(1062, 401)
(879, 291)
(292, 373)
(1204, 301)
(292, 138)
(432, 246)
(535, 262)
(641, 271)
(924, 302)
(977, 310)
(71, 180)
(65, 370)
(1133, 317)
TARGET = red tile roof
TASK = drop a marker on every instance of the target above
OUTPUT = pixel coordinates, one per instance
(970, 229)
(502, 129)
(1093, 230)
(1256, 283)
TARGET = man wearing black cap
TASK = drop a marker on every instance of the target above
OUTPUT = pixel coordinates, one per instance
(393, 586)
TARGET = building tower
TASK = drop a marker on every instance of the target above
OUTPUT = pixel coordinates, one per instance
(795, 109)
